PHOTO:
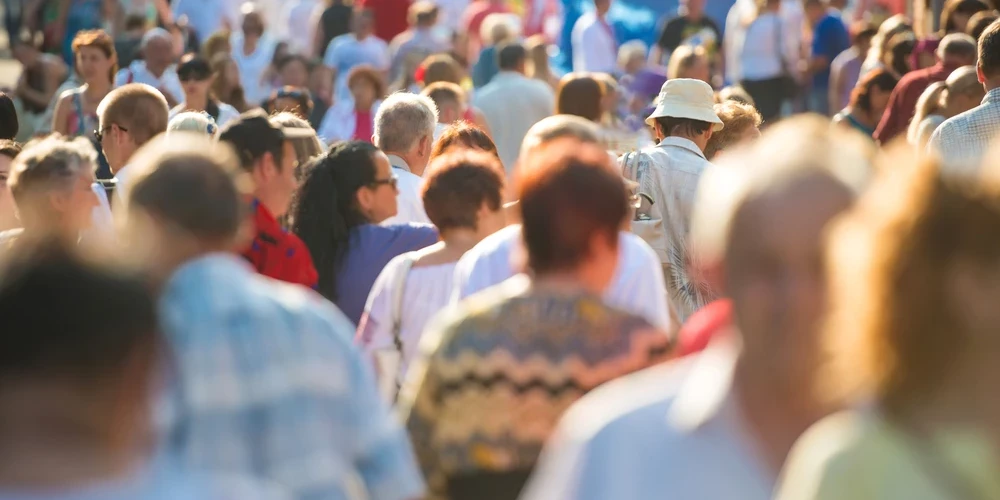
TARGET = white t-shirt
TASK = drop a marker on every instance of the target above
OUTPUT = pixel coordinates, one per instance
(296, 25)
(410, 207)
(252, 68)
(138, 73)
(638, 286)
(594, 45)
(426, 291)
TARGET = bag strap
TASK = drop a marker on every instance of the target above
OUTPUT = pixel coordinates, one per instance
(396, 310)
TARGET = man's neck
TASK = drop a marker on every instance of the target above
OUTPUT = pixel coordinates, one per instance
(991, 84)
(115, 169)
(774, 416)
(156, 69)
(269, 204)
(411, 163)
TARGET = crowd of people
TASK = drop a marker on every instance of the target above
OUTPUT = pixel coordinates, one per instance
(352, 251)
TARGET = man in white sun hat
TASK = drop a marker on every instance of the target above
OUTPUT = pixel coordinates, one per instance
(667, 177)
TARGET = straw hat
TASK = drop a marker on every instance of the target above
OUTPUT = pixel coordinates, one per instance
(686, 98)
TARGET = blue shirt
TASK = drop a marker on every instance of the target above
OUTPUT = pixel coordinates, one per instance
(268, 385)
(371, 248)
(830, 38)
(347, 52)
(163, 480)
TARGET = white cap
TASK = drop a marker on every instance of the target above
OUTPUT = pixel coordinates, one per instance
(686, 98)
(193, 121)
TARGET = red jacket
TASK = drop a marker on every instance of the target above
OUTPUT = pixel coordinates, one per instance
(704, 325)
(903, 100)
(278, 254)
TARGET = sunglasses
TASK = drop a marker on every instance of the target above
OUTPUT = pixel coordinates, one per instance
(392, 181)
(193, 74)
(99, 133)
(290, 94)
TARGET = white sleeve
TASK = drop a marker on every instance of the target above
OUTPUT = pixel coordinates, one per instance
(375, 330)
(640, 287)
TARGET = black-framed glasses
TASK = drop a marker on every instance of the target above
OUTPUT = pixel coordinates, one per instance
(187, 75)
(99, 133)
(392, 181)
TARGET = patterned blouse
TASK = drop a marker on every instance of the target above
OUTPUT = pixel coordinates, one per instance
(491, 381)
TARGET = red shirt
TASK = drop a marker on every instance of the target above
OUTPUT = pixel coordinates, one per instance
(704, 325)
(364, 128)
(390, 16)
(278, 254)
(903, 100)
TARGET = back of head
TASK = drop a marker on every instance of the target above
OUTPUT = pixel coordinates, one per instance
(441, 68)
(559, 127)
(402, 120)
(511, 57)
(463, 135)
(458, 185)
(54, 303)
(957, 48)
(194, 122)
(963, 81)
(630, 51)
(738, 118)
(989, 51)
(811, 149)
(580, 94)
(44, 165)
(919, 239)
(137, 108)
(683, 58)
(253, 136)
(8, 118)
(446, 96)
(881, 79)
(567, 197)
(499, 28)
(306, 148)
(979, 22)
(192, 187)
(954, 8)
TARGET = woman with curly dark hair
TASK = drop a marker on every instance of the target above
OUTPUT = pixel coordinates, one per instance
(346, 194)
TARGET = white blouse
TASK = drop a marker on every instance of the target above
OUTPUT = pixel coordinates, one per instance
(427, 290)
(762, 54)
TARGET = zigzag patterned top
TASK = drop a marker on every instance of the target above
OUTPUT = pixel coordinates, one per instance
(492, 381)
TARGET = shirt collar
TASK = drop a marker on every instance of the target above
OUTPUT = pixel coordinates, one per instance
(683, 143)
(399, 163)
(992, 96)
(708, 389)
(264, 219)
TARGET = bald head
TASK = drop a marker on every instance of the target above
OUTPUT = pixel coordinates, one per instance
(559, 127)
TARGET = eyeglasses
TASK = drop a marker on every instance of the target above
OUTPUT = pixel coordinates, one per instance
(392, 181)
(193, 74)
(99, 133)
(289, 94)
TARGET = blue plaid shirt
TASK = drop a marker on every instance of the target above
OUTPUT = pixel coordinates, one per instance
(269, 385)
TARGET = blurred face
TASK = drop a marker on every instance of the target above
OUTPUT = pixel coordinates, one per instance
(231, 74)
(610, 102)
(694, 7)
(25, 54)
(196, 88)
(814, 12)
(295, 74)
(748, 135)
(159, 52)
(775, 276)
(961, 21)
(378, 200)
(7, 217)
(602, 6)
(363, 92)
(635, 65)
(117, 145)
(879, 99)
(93, 65)
(363, 23)
(253, 24)
(76, 204)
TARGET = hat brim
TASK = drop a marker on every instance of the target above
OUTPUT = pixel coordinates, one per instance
(690, 112)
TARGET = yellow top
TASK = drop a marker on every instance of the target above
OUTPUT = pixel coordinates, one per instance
(858, 456)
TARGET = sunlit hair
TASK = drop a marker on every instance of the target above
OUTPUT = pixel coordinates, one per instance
(630, 51)
(683, 59)
(794, 149)
(880, 42)
(557, 127)
(231, 93)
(101, 40)
(369, 74)
(402, 120)
(44, 165)
(568, 196)
(737, 118)
(306, 148)
(580, 94)
(465, 136)
(457, 184)
(895, 333)
(440, 68)
(138, 108)
(861, 96)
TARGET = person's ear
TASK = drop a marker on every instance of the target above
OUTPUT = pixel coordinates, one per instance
(59, 201)
(365, 198)
(269, 166)
(426, 145)
(979, 74)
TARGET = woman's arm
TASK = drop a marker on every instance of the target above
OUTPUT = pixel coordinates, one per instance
(60, 115)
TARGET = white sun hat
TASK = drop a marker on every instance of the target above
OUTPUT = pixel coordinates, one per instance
(686, 98)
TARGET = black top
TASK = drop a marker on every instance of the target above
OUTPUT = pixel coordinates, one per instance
(336, 21)
(682, 31)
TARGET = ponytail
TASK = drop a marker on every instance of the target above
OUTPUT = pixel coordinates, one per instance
(930, 102)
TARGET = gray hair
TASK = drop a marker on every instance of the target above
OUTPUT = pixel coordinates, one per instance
(795, 149)
(193, 122)
(50, 163)
(557, 127)
(402, 120)
(635, 49)
(155, 34)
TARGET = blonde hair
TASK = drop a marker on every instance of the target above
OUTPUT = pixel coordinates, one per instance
(683, 59)
(894, 333)
(737, 117)
(51, 163)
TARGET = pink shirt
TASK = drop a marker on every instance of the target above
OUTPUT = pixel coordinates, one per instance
(363, 126)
